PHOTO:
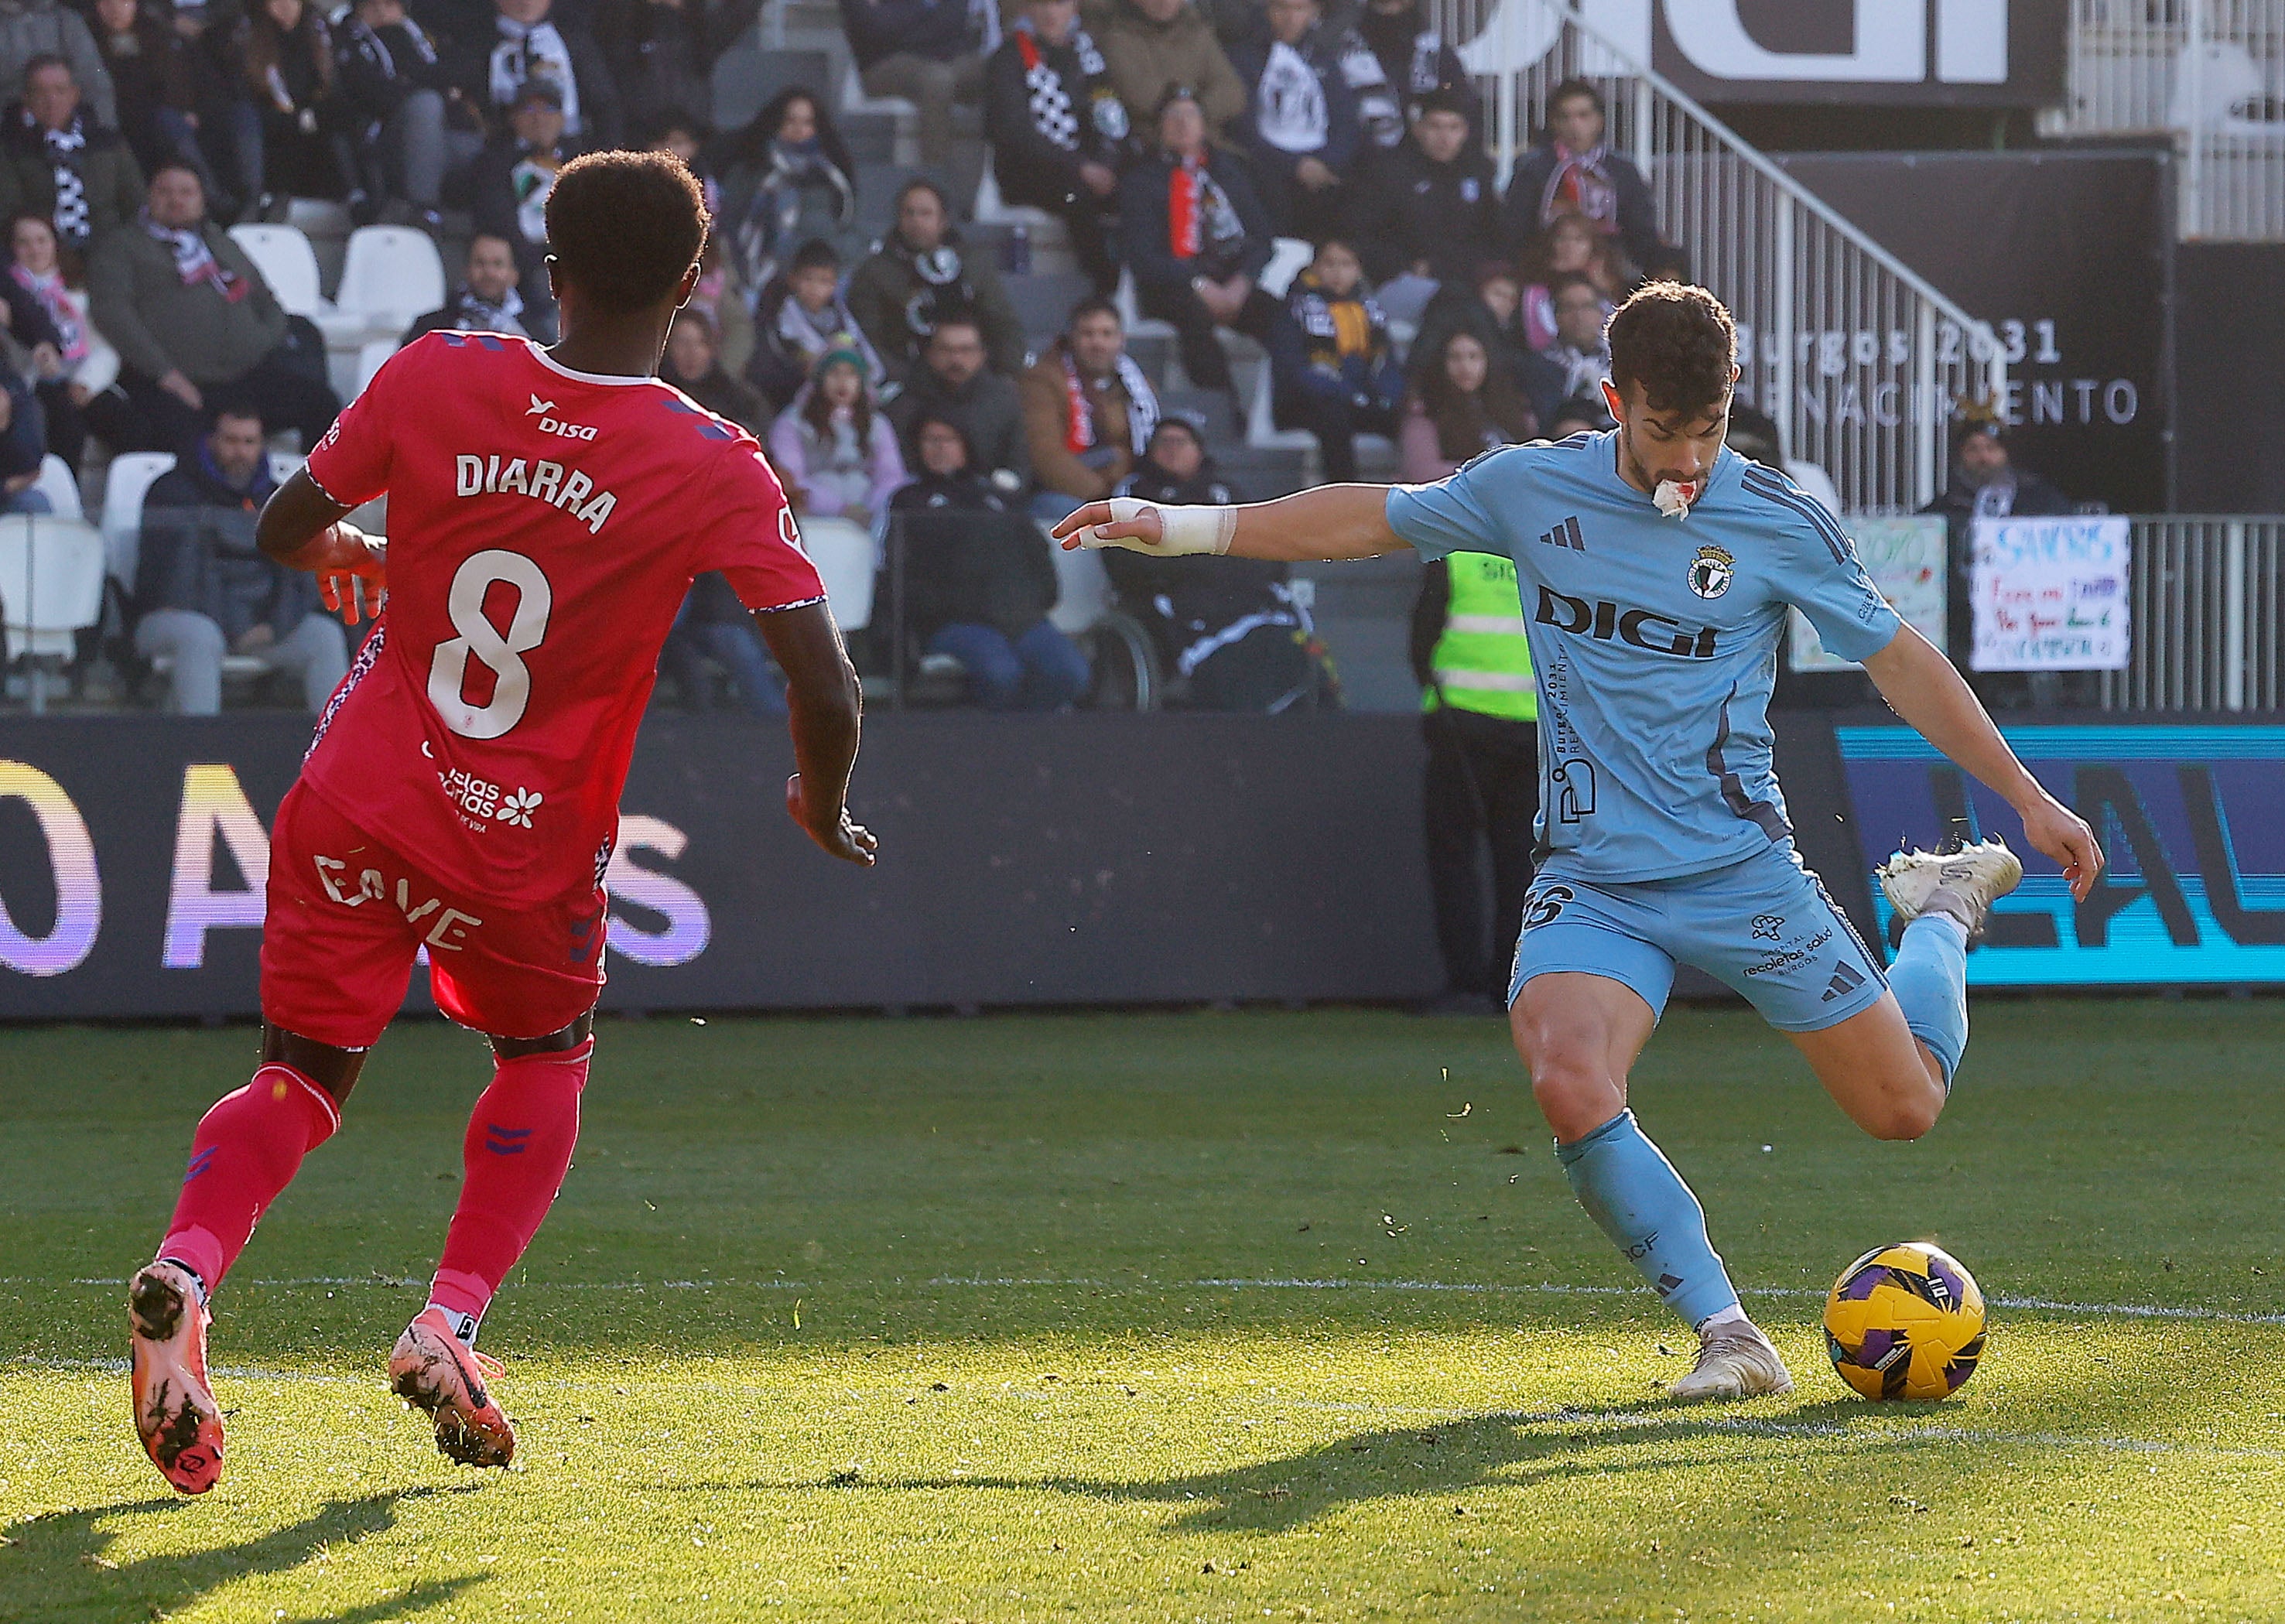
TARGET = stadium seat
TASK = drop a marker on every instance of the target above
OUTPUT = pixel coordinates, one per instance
(124, 487)
(51, 588)
(847, 560)
(289, 264)
(371, 357)
(60, 486)
(1083, 587)
(392, 274)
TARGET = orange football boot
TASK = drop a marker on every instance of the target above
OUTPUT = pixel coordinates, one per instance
(432, 1371)
(175, 1409)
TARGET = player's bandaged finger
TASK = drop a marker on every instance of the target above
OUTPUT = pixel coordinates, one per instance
(1184, 530)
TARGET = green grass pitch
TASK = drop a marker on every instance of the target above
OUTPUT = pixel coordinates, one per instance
(1170, 1316)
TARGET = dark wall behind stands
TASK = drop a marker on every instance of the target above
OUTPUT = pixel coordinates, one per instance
(2229, 369)
(2064, 253)
(1085, 859)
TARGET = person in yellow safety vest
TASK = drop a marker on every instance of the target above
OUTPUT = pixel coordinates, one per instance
(1481, 722)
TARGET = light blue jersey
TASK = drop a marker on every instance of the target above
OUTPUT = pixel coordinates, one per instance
(1655, 641)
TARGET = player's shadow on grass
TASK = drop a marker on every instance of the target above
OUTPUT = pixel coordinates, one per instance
(58, 1569)
(1447, 1458)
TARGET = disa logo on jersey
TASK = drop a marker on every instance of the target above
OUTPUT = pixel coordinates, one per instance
(555, 426)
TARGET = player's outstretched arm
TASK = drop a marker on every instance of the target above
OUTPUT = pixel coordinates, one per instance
(1329, 523)
(1921, 686)
(301, 527)
(825, 703)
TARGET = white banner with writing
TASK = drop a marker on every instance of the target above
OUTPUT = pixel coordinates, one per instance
(2048, 594)
(1904, 557)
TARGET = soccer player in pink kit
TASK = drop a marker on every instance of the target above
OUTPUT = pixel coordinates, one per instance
(549, 508)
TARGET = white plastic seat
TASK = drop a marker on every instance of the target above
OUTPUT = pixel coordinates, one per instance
(1130, 313)
(992, 209)
(846, 561)
(126, 484)
(60, 486)
(390, 274)
(289, 264)
(371, 357)
(51, 588)
(1083, 588)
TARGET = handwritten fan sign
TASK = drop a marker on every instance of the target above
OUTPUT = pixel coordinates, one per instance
(1904, 557)
(2048, 594)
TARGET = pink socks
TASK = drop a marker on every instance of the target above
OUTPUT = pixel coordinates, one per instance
(517, 1151)
(247, 1149)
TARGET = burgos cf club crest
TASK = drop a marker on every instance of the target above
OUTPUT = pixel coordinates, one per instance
(1710, 572)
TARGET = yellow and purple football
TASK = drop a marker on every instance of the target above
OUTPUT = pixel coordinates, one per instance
(1904, 1322)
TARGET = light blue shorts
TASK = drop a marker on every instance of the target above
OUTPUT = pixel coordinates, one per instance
(1763, 926)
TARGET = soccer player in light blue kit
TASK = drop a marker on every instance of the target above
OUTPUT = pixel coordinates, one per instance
(1654, 567)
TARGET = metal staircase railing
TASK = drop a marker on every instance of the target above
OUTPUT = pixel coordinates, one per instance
(1859, 359)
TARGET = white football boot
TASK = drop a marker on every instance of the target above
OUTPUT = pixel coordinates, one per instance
(1735, 1360)
(1963, 884)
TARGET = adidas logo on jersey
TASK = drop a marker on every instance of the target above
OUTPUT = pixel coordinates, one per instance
(1566, 535)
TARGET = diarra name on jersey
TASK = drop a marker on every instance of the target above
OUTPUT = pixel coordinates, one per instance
(546, 481)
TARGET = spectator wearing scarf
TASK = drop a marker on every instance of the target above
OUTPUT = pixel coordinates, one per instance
(393, 86)
(1196, 239)
(1574, 171)
(801, 316)
(489, 298)
(789, 179)
(190, 314)
(922, 273)
(1300, 129)
(58, 162)
(528, 43)
(1349, 382)
(1392, 58)
(1088, 412)
(1058, 131)
(74, 372)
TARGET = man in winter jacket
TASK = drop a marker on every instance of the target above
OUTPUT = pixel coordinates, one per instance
(530, 43)
(1196, 239)
(952, 382)
(58, 162)
(29, 28)
(1300, 131)
(1576, 171)
(1152, 46)
(978, 579)
(1429, 209)
(402, 106)
(1088, 412)
(921, 273)
(1232, 628)
(928, 51)
(203, 588)
(1059, 131)
(489, 298)
(190, 316)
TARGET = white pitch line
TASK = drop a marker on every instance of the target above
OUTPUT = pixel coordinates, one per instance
(2031, 1305)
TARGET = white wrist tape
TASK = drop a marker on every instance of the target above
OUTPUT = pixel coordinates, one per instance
(1186, 529)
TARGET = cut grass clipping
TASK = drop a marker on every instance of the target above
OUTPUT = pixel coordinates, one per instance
(1180, 1316)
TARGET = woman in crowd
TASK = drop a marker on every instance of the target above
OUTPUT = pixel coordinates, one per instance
(693, 363)
(786, 177)
(1570, 246)
(285, 55)
(73, 372)
(1462, 406)
(835, 451)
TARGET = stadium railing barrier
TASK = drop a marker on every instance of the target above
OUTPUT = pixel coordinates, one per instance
(2207, 602)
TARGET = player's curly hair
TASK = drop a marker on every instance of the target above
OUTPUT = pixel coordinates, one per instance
(623, 227)
(1679, 342)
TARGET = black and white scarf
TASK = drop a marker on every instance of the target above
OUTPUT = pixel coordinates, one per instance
(64, 147)
(1081, 433)
(472, 313)
(195, 261)
(1052, 113)
(534, 50)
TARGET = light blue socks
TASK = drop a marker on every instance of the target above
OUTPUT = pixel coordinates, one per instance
(1635, 1198)
(1930, 981)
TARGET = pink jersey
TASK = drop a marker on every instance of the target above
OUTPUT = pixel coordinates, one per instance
(544, 526)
